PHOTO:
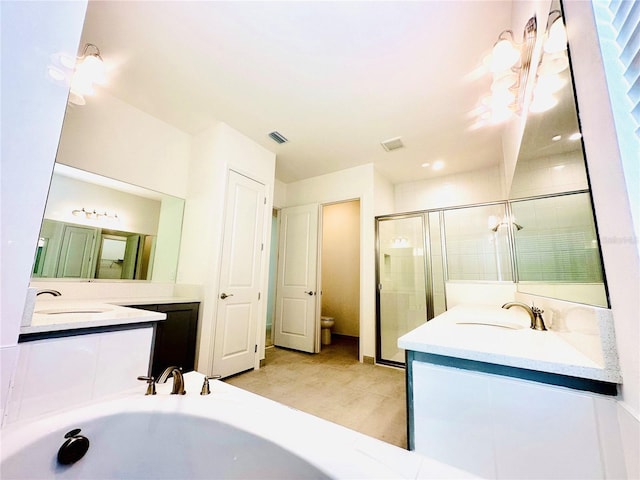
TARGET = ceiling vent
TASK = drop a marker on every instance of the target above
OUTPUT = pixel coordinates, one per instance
(278, 137)
(392, 144)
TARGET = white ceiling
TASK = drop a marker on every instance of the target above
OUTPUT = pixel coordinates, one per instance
(335, 78)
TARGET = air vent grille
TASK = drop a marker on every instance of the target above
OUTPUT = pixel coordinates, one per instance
(392, 144)
(278, 137)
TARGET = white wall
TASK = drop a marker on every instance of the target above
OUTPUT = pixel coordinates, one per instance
(215, 151)
(32, 113)
(467, 188)
(110, 137)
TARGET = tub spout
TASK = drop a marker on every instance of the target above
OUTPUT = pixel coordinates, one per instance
(178, 380)
(535, 314)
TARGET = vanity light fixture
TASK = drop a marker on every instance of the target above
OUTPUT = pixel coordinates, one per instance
(93, 214)
(89, 70)
(554, 61)
(509, 64)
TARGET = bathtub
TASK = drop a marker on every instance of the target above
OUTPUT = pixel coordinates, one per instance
(228, 434)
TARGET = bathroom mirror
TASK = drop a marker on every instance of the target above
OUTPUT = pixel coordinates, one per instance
(558, 232)
(556, 248)
(100, 228)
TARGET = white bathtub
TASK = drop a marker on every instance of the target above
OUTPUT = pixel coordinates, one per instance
(228, 434)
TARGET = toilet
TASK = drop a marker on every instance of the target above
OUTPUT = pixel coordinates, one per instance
(325, 324)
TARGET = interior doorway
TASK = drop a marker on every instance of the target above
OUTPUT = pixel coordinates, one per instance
(338, 295)
(340, 268)
(273, 279)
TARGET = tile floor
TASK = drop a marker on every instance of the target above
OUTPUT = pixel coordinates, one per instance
(333, 385)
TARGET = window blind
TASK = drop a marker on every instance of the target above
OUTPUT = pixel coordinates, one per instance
(626, 22)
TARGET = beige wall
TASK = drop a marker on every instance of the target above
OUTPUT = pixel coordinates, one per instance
(341, 266)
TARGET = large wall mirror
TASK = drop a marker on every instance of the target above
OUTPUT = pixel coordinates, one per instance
(100, 228)
(556, 247)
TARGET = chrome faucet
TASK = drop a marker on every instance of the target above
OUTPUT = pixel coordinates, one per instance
(535, 313)
(55, 293)
(178, 380)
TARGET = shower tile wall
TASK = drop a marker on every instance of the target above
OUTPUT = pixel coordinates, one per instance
(474, 251)
(558, 241)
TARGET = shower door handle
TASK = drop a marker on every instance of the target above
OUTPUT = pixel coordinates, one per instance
(224, 295)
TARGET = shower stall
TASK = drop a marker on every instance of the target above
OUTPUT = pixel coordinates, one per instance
(419, 253)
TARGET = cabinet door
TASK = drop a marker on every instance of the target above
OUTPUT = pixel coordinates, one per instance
(175, 338)
(175, 342)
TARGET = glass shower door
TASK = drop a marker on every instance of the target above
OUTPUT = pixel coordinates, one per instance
(402, 303)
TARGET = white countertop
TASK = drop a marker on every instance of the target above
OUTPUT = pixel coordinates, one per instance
(57, 315)
(474, 333)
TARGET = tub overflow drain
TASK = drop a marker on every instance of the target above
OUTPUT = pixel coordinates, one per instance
(74, 448)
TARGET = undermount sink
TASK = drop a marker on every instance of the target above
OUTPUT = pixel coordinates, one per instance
(72, 310)
(509, 326)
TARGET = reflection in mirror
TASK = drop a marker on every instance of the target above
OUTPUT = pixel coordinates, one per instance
(557, 250)
(477, 243)
(96, 227)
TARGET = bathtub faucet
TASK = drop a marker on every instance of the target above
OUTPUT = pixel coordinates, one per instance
(535, 313)
(178, 380)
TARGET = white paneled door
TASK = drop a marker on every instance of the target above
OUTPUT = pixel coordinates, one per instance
(239, 290)
(296, 323)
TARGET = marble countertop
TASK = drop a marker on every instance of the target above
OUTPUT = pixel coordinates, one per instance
(503, 337)
(56, 315)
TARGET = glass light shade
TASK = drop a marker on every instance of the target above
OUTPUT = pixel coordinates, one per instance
(500, 114)
(556, 38)
(504, 55)
(502, 98)
(504, 80)
(94, 67)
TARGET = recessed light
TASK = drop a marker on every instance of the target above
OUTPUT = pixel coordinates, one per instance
(439, 165)
(555, 138)
(425, 165)
(575, 136)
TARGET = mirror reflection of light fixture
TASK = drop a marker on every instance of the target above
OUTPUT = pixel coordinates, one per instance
(93, 214)
(89, 70)
(495, 223)
(509, 64)
(554, 61)
(556, 40)
(400, 242)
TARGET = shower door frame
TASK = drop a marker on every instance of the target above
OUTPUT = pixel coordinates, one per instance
(423, 215)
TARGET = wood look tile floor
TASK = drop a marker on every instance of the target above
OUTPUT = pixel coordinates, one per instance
(334, 386)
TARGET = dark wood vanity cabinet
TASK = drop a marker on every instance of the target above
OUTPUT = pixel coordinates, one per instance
(175, 338)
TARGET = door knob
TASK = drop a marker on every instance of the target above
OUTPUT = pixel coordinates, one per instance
(224, 295)
(310, 293)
